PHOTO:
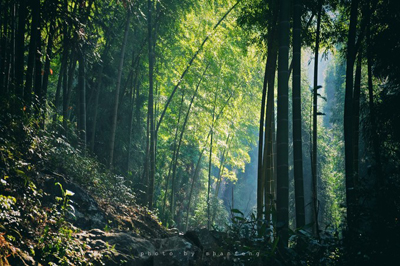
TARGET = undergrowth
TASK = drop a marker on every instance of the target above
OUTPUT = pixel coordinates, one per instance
(29, 227)
(255, 242)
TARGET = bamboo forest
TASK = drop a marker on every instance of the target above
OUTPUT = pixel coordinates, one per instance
(200, 132)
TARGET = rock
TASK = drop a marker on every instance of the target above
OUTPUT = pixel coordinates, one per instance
(88, 214)
(203, 238)
(119, 248)
(175, 250)
(126, 243)
(173, 231)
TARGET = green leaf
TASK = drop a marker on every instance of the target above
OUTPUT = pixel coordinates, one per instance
(69, 193)
(237, 211)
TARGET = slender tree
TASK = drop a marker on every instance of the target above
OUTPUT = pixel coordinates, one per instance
(265, 165)
(49, 56)
(348, 116)
(35, 6)
(174, 162)
(152, 151)
(282, 126)
(194, 178)
(297, 139)
(260, 175)
(20, 50)
(82, 98)
(209, 166)
(314, 160)
(356, 112)
(117, 91)
(268, 160)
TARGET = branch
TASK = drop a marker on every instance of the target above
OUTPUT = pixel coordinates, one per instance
(191, 62)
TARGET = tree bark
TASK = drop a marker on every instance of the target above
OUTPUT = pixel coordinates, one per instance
(260, 174)
(134, 87)
(71, 72)
(348, 117)
(297, 121)
(3, 50)
(209, 167)
(38, 67)
(356, 123)
(82, 99)
(268, 163)
(282, 127)
(59, 86)
(174, 162)
(195, 175)
(35, 5)
(49, 55)
(314, 160)
(20, 50)
(11, 65)
(152, 152)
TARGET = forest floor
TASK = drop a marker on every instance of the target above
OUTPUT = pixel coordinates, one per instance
(60, 206)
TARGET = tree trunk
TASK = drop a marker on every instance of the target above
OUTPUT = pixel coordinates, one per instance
(195, 175)
(49, 55)
(348, 118)
(260, 172)
(116, 101)
(20, 50)
(268, 165)
(7, 50)
(314, 160)
(35, 5)
(95, 109)
(71, 72)
(11, 69)
(220, 174)
(65, 92)
(152, 151)
(297, 121)
(209, 167)
(282, 128)
(356, 122)
(174, 163)
(38, 69)
(3, 49)
(134, 86)
(59, 86)
(82, 99)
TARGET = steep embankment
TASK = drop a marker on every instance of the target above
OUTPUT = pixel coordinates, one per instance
(59, 207)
